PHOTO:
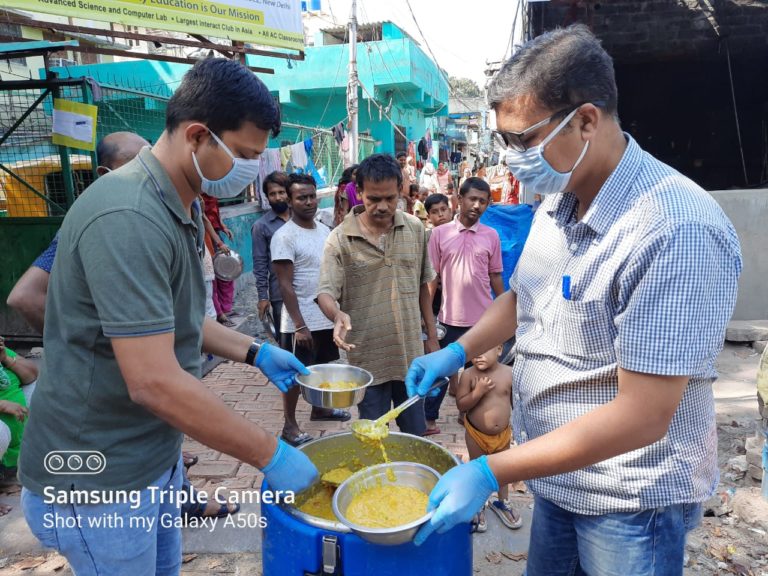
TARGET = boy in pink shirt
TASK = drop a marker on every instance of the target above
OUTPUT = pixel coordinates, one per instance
(467, 257)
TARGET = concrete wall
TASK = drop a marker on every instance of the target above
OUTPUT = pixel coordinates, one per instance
(748, 210)
(662, 29)
(681, 68)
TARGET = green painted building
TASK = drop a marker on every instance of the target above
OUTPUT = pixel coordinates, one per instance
(397, 80)
(402, 94)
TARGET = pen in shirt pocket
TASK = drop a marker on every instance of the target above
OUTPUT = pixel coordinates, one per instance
(567, 287)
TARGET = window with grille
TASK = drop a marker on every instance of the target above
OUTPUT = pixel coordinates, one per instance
(12, 31)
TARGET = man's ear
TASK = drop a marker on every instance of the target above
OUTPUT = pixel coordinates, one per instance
(589, 120)
(101, 170)
(195, 134)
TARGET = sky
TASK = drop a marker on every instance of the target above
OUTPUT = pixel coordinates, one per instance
(462, 34)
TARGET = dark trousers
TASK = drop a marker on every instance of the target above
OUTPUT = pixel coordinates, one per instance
(380, 399)
(323, 351)
(432, 403)
(277, 311)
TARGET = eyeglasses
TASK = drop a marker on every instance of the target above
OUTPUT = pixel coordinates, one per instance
(515, 140)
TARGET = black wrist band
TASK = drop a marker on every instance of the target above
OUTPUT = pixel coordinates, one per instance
(250, 356)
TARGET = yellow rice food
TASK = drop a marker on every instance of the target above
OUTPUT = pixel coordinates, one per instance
(369, 431)
(340, 385)
(318, 503)
(336, 476)
(387, 506)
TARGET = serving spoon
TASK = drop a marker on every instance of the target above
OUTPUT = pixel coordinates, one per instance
(376, 430)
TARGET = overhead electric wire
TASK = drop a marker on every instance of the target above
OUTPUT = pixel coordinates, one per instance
(510, 43)
(736, 112)
(372, 99)
(440, 70)
(335, 78)
(381, 55)
(408, 3)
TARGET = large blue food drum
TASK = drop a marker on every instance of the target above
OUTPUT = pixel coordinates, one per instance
(296, 544)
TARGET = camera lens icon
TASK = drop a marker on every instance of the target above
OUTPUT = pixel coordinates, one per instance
(75, 462)
(54, 463)
(95, 462)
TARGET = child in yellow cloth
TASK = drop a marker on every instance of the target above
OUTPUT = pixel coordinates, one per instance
(485, 393)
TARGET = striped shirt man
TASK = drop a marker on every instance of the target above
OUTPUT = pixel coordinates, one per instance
(379, 289)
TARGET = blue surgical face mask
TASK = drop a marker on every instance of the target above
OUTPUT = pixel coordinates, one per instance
(242, 173)
(533, 170)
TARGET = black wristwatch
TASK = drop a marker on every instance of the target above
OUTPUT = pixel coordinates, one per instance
(250, 356)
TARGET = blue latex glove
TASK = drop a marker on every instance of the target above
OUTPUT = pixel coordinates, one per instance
(290, 469)
(279, 366)
(458, 496)
(426, 369)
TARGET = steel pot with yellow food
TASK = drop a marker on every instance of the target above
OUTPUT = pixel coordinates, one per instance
(307, 538)
(339, 456)
(334, 385)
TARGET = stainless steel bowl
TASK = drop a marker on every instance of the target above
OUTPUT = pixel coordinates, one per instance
(227, 265)
(322, 398)
(417, 476)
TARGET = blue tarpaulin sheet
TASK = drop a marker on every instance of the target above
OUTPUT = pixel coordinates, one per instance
(512, 222)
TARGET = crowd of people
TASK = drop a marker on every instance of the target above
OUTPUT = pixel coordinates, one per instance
(617, 330)
(304, 279)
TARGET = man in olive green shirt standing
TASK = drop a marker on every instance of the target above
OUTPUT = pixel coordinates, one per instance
(373, 282)
(125, 324)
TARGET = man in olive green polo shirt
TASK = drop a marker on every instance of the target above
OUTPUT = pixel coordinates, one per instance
(373, 282)
(125, 324)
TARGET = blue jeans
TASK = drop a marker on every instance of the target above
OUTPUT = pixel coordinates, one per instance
(646, 543)
(128, 546)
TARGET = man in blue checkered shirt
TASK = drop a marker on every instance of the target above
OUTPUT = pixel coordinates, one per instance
(622, 295)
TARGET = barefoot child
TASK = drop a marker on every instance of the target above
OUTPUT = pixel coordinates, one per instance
(484, 393)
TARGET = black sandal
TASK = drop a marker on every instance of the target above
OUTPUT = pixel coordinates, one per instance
(335, 415)
(189, 460)
(297, 439)
(197, 510)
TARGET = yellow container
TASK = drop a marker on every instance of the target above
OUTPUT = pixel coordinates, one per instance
(45, 176)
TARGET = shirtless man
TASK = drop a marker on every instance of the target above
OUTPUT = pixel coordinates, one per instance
(484, 393)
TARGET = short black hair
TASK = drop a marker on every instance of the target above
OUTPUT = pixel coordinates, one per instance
(476, 183)
(562, 68)
(400, 155)
(346, 176)
(300, 179)
(413, 188)
(433, 199)
(378, 168)
(276, 177)
(222, 94)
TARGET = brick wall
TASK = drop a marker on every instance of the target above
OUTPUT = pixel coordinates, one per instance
(651, 29)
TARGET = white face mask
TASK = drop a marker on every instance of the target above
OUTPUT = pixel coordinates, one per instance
(243, 172)
(533, 170)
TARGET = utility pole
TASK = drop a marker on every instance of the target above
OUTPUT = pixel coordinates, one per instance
(352, 106)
